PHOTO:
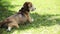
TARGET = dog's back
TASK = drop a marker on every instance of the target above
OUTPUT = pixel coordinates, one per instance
(18, 18)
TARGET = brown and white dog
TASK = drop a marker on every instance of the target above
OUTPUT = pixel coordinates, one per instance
(20, 17)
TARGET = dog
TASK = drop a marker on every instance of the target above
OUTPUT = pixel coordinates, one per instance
(19, 18)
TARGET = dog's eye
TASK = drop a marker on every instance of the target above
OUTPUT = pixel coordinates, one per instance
(30, 5)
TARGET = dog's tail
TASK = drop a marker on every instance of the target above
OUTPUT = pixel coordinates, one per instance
(4, 22)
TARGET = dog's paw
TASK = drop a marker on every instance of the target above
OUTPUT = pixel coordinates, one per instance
(9, 29)
(32, 20)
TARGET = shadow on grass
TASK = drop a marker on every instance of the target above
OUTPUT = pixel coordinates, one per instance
(39, 20)
(4, 9)
(5, 14)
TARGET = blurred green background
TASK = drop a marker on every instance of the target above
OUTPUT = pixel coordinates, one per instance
(46, 16)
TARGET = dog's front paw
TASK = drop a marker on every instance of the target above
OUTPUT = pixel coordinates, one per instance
(32, 20)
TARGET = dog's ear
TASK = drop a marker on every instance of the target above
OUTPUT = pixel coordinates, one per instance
(25, 4)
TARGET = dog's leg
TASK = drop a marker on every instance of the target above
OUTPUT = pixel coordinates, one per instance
(11, 25)
(9, 28)
(16, 25)
(30, 19)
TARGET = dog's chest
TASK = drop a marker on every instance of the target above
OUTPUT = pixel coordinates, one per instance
(22, 18)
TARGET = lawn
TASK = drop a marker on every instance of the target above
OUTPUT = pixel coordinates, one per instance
(46, 16)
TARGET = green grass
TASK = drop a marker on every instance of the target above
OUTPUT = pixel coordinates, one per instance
(44, 16)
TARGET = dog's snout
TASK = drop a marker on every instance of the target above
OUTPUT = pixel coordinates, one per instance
(33, 9)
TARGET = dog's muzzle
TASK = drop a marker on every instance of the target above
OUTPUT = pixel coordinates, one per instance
(32, 8)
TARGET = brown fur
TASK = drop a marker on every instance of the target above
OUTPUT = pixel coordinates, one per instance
(20, 17)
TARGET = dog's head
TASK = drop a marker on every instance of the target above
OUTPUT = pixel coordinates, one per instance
(29, 6)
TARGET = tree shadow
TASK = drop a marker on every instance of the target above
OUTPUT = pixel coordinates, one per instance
(4, 9)
(39, 20)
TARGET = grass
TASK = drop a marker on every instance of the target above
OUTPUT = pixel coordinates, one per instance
(44, 16)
